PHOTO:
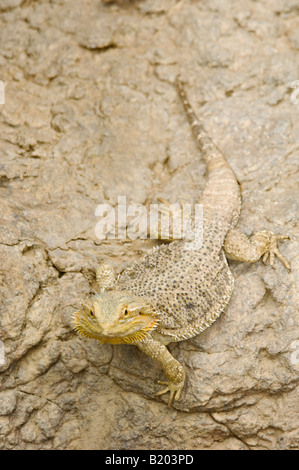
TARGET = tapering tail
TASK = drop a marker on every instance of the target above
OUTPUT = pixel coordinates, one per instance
(221, 197)
(211, 153)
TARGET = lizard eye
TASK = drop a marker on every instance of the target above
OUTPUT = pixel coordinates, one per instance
(126, 312)
(91, 314)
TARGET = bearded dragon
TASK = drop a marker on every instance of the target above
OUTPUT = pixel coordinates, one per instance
(174, 292)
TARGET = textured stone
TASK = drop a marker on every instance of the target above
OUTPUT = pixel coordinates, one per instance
(8, 4)
(7, 402)
(91, 114)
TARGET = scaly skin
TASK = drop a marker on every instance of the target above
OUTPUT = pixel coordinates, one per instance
(175, 292)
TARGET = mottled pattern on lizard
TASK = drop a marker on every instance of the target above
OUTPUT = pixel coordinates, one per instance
(175, 292)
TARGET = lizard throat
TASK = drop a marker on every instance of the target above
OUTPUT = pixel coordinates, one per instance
(86, 329)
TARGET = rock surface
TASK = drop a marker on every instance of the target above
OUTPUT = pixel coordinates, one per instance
(91, 114)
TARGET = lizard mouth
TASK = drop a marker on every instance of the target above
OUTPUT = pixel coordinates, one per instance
(136, 336)
(133, 331)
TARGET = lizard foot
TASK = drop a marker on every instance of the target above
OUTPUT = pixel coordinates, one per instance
(272, 250)
(174, 389)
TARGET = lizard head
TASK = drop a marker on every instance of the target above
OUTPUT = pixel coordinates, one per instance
(115, 317)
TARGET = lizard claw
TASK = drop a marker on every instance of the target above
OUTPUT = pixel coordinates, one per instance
(273, 250)
(175, 390)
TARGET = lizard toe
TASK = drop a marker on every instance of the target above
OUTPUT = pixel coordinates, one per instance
(175, 390)
(273, 251)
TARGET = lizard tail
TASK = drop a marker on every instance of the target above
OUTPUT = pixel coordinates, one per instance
(212, 155)
(221, 197)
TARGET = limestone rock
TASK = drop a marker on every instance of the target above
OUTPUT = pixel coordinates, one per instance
(91, 114)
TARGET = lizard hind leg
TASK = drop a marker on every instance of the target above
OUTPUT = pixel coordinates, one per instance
(263, 244)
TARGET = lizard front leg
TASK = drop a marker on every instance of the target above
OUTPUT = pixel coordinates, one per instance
(105, 277)
(171, 367)
(263, 244)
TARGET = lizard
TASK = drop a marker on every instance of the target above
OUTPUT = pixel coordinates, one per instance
(174, 293)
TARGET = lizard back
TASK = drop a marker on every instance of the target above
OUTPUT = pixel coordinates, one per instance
(188, 288)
